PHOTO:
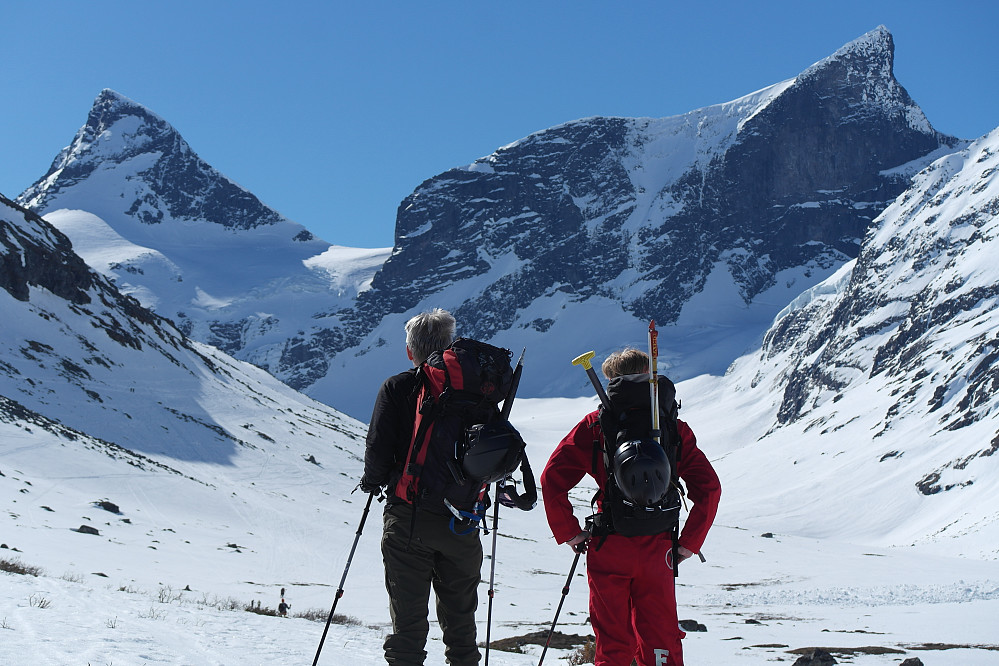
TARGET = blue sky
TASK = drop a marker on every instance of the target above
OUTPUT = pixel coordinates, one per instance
(333, 112)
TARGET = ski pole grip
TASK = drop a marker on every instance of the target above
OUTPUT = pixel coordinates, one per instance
(584, 360)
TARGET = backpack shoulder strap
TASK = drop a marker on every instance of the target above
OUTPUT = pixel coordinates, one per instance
(428, 407)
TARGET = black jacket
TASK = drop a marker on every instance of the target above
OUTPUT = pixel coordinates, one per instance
(391, 429)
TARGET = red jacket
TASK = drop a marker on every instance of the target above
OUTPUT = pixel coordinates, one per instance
(574, 457)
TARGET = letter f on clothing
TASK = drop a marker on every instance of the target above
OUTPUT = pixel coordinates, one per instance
(661, 657)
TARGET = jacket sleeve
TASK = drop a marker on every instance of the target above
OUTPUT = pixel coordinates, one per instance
(389, 432)
(703, 489)
(569, 463)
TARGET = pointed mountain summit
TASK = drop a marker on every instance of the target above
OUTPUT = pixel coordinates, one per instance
(708, 222)
(170, 182)
(141, 207)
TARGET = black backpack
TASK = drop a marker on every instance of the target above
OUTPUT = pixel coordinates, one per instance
(461, 441)
(627, 427)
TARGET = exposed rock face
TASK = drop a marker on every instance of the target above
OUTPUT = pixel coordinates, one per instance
(175, 182)
(916, 289)
(711, 220)
(34, 254)
(641, 211)
(27, 259)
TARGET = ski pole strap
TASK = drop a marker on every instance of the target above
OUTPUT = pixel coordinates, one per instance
(473, 517)
(506, 490)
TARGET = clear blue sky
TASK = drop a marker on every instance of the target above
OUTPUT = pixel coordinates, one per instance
(332, 112)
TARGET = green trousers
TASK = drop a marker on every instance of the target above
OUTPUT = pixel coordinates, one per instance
(420, 555)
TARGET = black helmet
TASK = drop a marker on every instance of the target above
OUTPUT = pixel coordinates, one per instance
(492, 451)
(642, 471)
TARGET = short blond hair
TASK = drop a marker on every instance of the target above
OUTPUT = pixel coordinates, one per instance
(628, 361)
(428, 332)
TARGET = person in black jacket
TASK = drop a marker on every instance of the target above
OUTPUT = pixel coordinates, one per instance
(419, 548)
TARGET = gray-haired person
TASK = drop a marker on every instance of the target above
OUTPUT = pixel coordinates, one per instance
(419, 548)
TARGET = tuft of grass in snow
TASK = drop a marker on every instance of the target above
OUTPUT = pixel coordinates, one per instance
(18, 567)
(38, 601)
(584, 654)
(319, 615)
(259, 609)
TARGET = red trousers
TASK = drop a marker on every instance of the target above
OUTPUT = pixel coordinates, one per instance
(633, 602)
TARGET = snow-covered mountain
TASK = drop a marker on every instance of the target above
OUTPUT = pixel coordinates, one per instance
(102, 400)
(885, 375)
(141, 207)
(563, 241)
(709, 222)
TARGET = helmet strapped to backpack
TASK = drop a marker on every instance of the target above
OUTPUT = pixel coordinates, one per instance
(492, 451)
(642, 471)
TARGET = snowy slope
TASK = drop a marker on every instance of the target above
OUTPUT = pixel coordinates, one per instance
(884, 376)
(102, 400)
(758, 597)
(214, 492)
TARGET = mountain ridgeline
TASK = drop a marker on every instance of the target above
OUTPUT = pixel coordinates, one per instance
(565, 240)
(642, 211)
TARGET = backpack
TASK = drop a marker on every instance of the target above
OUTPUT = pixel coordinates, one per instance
(627, 428)
(461, 440)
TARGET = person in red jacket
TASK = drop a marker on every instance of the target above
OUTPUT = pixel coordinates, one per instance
(632, 596)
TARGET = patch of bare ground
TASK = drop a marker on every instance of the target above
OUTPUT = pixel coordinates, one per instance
(559, 641)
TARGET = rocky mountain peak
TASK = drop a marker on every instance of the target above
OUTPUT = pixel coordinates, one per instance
(863, 72)
(167, 179)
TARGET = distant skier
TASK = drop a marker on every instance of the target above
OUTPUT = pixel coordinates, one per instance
(283, 607)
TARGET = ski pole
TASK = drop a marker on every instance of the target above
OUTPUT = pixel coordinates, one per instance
(565, 591)
(584, 360)
(492, 571)
(508, 402)
(339, 592)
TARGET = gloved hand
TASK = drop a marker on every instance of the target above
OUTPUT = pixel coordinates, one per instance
(369, 487)
(578, 543)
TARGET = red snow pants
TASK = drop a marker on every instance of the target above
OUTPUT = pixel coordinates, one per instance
(633, 601)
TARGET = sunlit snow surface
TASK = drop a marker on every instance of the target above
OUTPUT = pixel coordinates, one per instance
(294, 523)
